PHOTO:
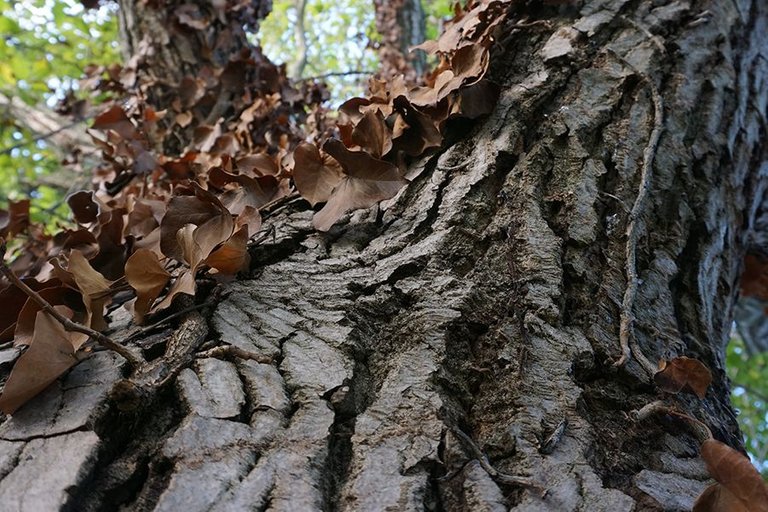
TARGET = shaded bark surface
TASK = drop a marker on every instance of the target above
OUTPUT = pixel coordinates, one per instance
(486, 297)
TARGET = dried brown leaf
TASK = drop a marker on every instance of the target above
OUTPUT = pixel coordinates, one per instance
(352, 194)
(232, 256)
(94, 287)
(361, 165)
(115, 119)
(148, 277)
(315, 174)
(372, 134)
(741, 484)
(50, 354)
(683, 374)
(183, 210)
(84, 207)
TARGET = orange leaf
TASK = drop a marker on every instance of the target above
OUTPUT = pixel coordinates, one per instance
(94, 287)
(147, 276)
(232, 256)
(115, 119)
(717, 498)
(683, 374)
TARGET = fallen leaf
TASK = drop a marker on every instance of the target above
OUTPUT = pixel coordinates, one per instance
(739, 485)
(94, 287)
(372, 134)
(315, 174)
(56, 296)
(183, 210)
(50, 355)
(361, 165)
(232, 257)
(146, 275)
(115, 119)
(754, 278)
(84, 207)
(352, 194)
(683, 374)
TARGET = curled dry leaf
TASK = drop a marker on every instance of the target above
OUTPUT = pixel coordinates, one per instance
(683, 374)
(15, 219)
(232, 256)
(249, 218)
(84, 207)
(94, 287)
(183, 210)
(54, 295)
(372, 134)
(368, 180)
(12, 301)
(115, 119)
(51, 353)
(739, 485)
(146, 275)
(351, 194)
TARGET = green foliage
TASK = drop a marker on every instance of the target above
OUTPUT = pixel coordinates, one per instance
(44, 48)
(436, 12)
(339, 38)
(749, 375)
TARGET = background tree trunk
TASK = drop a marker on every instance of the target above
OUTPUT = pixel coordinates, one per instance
(401, 25)
(486, 298)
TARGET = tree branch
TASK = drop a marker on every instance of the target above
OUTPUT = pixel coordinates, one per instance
(46, 124)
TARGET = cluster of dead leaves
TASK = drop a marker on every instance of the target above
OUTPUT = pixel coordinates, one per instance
(184, 178)
(738, 485)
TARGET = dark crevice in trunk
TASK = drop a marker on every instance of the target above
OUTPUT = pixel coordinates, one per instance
(126, 463)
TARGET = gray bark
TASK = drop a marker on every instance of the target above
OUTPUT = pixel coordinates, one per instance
(486, 298)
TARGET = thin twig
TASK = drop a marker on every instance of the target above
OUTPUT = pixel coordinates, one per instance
(149, 328)
(276, 204)
(225, 351)
(626, 330)
(133, 359)
(701, 431)
(478, 454)
(38, 138)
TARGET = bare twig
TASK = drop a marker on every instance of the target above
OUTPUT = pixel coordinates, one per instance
(38, 138)
(701, 431)
(478, 454)
(224, 351)
(276, 204)
(215, 297)
(133, 359)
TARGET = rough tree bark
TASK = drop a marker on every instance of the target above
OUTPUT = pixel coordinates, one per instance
(486, 298)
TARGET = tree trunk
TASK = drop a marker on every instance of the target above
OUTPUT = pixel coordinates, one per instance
(401, 25)
(479, 309)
